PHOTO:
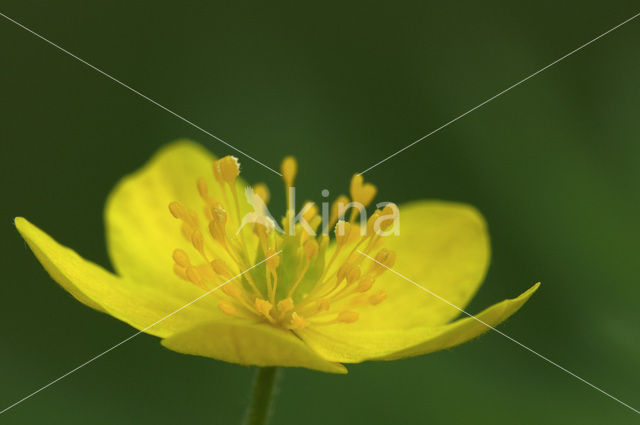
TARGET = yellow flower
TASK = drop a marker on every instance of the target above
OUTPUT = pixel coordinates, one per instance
(305, 301)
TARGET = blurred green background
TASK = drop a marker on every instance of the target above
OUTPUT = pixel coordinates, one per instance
(553, 165)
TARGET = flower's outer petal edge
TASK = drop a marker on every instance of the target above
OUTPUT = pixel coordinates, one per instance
(468, 328)
(136, 304)
(250, 344)
(348, 345)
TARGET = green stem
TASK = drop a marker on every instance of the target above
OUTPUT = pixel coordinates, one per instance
(264, 388)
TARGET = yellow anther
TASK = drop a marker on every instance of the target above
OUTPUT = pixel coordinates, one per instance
(389, 209)
(365, 284)
(344, 270)
(232, 290)
(372, 221)
(289, 169)
(263, 307)
(347, 316)
(362, 192)
(198, 240)
(310, 249)
(180, 272)
(206, 271)
(194, 276)
(220, 267)
(338, 206)
(218, 223)
(342, 231)
(178, 210)
(285, 305)
(323, 305)
(310, 211)
(388, 216)
(353, 275)
(229, 169)
(227, 308)
(378, 297)
(297, 321)
(192, 216)
(386, 258)
(203, 190)
(181, 258)
(219, 214)
(262, 191)
(314, 223)
(216, 231)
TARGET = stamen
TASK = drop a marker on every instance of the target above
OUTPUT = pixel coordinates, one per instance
(297, 321)
(365, 284)
(262, 191)
(229, 169)
(180, 271)
(264, 307)
(220, 267)
(353, 275)
(198, 242)
(194, 276)
(181, 258)
(378, 297)
(227, 308)
(310, 210)
(338, 205)
(362, 192)
(385, 260)
(203, 190)
(285, 305)
(343, 271)
(347, 316)
(389, 215)
(233, 291)
(218, 223)
(323, 305)
(342, 232)
(289, 170)
(178, 210)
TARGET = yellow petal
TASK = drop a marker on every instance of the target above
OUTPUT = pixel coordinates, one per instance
(136, 304)
(141, 233)
(444, 246)
(344, 343)
(248, 344)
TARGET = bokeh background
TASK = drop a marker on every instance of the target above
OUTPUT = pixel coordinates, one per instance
(554, 165)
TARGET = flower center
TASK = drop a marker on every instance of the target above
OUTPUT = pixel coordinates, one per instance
(291, 278)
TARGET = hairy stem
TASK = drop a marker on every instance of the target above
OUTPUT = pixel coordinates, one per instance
(264, 389)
